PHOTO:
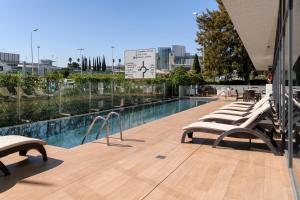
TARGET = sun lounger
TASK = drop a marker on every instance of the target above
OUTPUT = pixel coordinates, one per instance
(247, 130)
(6, 94)
(230, 119)
(13, 144)
(243, 103)
(240, 112)
(236, 107)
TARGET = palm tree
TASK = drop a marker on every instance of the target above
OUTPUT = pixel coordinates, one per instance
(70, 60)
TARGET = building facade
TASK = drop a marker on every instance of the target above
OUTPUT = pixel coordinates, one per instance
(179, 52)
(164, 58)
(43, 67)
(8, 61)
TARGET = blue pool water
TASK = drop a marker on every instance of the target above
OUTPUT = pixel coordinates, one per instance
(131, 117)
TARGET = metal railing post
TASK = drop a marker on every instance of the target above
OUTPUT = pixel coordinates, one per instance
(290, 77)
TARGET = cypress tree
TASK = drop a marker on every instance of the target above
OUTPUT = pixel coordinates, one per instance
(90, 64)
(93, 64)
(97, 69)
(82, 63)
(100, 67)
(85, 64)
(196, 64)
(103, 64)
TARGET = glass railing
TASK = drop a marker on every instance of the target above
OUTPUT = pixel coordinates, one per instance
(21, 103)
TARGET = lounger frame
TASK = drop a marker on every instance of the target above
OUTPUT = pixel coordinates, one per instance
(22, 149)
(250, 133)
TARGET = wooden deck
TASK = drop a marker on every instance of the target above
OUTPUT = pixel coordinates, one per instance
(151, 164)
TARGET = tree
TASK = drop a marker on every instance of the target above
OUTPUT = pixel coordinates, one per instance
(90, 67)
(74, 65)
(82, 64)
(179, 76)
(100, 67)
(223, 49)
(103, 64)
(93, 64)
(86, 63)
(195, 78)
(196, 64)
(70, 60)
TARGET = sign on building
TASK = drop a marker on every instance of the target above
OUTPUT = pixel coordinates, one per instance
(140, 63)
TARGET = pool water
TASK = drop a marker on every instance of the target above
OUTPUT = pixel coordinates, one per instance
(130, 117)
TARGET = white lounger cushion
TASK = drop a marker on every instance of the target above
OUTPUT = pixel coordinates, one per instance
(243, 103)
(222, 117)
(11, 141)
(246, 108)
(230, 112)
(211, 126)
(234, 108)
(233, 118)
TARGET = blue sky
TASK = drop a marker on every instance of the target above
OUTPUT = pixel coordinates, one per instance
(96, 25)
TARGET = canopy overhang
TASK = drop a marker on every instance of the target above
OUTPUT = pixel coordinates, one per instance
(256, 24)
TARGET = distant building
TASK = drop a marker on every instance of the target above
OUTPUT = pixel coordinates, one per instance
(4, 68)
(170, 58)
(163, 58)
(41, 68)
(179, 54)
(8, 61)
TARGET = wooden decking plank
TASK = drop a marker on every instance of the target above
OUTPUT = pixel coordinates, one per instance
(151, 164)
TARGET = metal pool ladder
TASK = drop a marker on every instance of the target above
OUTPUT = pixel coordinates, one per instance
(105, 124)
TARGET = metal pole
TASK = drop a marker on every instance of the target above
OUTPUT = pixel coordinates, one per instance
(38, 47)
(278, 69)
(283, 94)
(290, 100)
(112, 56)
(32, 49)
(31, 53)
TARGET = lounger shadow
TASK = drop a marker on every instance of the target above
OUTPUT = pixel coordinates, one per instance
(28, 167)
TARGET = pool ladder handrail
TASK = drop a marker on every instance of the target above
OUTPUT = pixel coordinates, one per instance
(105, 124)
(120, 125)
(92, 125)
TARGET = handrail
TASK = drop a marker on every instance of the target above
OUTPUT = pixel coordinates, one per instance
(105, 124)
(92, 125)
(120, 125)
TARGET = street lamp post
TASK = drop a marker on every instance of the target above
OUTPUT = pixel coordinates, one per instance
(112, 56)
(38, 67)
(34, 30)
(80, 53)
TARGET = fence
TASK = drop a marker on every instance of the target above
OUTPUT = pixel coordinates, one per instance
(24, 104)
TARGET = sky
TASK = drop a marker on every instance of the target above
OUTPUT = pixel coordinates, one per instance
(96, 25)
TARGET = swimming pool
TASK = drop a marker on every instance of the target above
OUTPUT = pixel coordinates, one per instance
(68, 132)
